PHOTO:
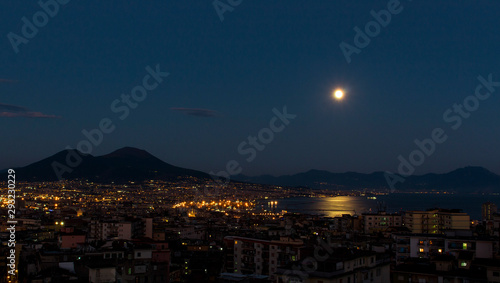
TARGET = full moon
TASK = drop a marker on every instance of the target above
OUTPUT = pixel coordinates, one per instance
(338, 94)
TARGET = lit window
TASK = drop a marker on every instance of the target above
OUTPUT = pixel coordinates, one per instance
(421, 250)
(440, 251)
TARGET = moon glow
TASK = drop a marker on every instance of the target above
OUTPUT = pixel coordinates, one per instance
(338, 94)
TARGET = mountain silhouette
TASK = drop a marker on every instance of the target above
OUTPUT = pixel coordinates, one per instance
(132, 164)
(122, 165)
(463, 180)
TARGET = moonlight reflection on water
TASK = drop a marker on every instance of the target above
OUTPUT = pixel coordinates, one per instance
(336, 206)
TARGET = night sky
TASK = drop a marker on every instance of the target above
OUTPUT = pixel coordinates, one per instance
(226, 77)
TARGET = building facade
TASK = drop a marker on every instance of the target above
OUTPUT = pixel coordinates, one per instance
(260, 257)
(436, 221)
(379, 222)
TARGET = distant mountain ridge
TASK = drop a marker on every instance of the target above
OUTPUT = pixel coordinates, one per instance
(125, 164)
(132, 164)
(463, 180)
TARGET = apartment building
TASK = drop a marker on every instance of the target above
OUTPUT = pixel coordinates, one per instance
(379, 222)
(119, 229)
(408, 246)
(342, 266)
(436, 221)
(488, 210)
(260, 257)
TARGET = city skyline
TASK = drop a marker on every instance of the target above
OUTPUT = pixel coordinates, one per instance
(227, 74)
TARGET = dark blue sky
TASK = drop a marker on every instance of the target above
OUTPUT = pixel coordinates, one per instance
(264, 55)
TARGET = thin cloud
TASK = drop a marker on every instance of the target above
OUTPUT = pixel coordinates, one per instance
(8, 81)
(28, 115)
(12, 111)
(12, 108)
(197, 112)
